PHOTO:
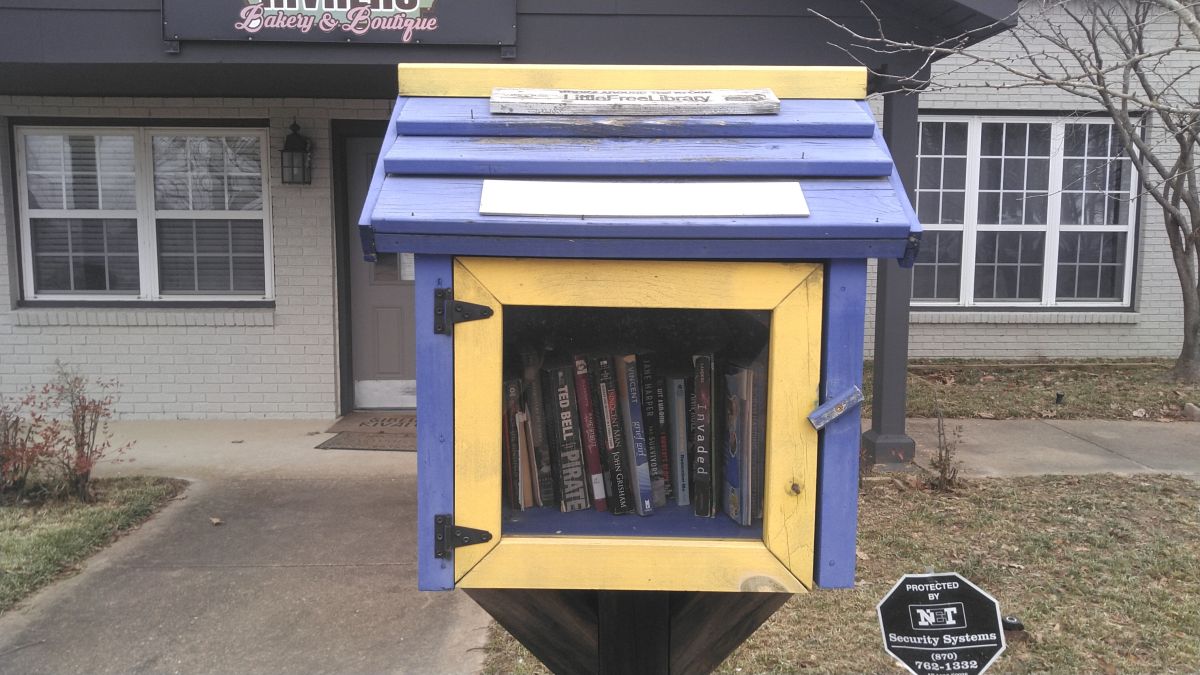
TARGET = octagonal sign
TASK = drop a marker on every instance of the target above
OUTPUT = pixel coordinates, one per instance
(941, 623)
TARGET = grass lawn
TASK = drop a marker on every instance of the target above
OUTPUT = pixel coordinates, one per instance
(40, 542)
(1118, 390)
(1103, 570)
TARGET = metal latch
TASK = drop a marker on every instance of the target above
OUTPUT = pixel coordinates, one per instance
(447, 311)
(447, 536)
(835, 407)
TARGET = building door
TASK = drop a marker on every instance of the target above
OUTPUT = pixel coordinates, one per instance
(383, 358)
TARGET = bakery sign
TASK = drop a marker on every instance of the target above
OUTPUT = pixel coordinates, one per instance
(462, 22)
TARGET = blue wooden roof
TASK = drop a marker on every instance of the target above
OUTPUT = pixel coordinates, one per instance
(425, 195)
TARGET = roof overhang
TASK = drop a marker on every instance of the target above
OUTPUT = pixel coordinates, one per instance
(425, 196)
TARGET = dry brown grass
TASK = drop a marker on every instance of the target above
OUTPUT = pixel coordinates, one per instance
(1117, 390)
(1103, 570)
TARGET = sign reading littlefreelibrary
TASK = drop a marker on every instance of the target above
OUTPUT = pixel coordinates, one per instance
(454, 22)
(941, 623)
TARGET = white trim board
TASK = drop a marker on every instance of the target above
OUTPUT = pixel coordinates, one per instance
(633, 102)
(642, 199)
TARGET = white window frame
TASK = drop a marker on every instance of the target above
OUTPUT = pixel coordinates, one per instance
(146, 214)
(1053, 228)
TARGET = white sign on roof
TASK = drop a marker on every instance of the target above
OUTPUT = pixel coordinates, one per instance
(634, 102)
(643, 199)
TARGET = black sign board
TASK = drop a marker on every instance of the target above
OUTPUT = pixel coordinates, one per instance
(447, 22)
(941, 623)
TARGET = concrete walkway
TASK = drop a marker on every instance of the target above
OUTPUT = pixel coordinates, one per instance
(312, 571)
(1031, 447)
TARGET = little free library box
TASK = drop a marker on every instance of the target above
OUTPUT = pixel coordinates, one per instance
(639, 337)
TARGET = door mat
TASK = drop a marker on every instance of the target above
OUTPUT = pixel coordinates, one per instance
(376, 422)
(373, 431)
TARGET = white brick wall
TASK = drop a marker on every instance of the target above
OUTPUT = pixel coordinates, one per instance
(1154, 328)
(206, 363)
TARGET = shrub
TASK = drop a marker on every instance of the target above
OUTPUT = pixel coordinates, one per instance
(58, 433)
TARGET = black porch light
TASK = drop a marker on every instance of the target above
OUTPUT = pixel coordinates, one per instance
(296, 158)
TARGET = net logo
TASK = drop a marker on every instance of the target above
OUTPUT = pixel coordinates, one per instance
(947, 616)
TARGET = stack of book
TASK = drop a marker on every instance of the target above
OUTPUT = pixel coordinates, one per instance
(636, 432)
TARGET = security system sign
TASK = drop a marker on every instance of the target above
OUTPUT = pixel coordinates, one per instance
(466, 22)
(941, 623)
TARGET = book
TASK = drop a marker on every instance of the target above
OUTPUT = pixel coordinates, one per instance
(678, 439)
(664, 440)
(571, 478)
(612, 436)
(535, 406)
(647, 376)
(737, 454)
(758, 435)
(512, 447)
(588, 433)
(630, 399)
(526, 472)
(704, 495)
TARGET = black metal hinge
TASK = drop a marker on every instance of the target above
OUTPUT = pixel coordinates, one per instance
(447, 311)
(447, 536)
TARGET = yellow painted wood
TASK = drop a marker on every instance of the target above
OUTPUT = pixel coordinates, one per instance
(638, 283)
(783, 561)
(790, 492)
(478, 80)
(478, 423)
(632, 564)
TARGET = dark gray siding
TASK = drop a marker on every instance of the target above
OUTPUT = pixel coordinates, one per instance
(115, 47)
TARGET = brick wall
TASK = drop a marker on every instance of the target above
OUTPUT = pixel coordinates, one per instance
(1153, 328)
(203, 363)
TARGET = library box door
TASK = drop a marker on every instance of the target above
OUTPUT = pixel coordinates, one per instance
(593, 550)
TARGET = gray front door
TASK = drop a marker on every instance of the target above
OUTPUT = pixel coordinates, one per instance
(381, 302)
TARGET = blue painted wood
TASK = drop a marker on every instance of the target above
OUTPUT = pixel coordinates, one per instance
(796, 118)
(643, 249)
(667, 521)
(435, 422)
(706, 157)
(897, 184)
(837, 463)
(847, 208)
(367, 237)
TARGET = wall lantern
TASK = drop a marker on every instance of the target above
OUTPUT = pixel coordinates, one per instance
(296, 158)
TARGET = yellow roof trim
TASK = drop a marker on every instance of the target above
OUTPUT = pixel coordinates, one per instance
(477, 81)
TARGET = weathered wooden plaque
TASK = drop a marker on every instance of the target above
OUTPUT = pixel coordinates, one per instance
(634, 102)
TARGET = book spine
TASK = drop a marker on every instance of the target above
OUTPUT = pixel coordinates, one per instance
(736, 448)
(571, 477)
(620, 498)
(635, 434)
(654, 456)
(758, 439)
(703, 496)
(588, 433)
(525, 469)
(677, 417)
(536, 405)
(664, 437)
(512, 445)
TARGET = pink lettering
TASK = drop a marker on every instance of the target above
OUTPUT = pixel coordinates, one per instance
(252, 19)
(358, 20)
(328, 23)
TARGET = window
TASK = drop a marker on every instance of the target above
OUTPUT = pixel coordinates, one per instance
(1023, 212)
(143, 214)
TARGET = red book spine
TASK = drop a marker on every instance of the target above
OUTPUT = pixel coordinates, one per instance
(591, 442)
